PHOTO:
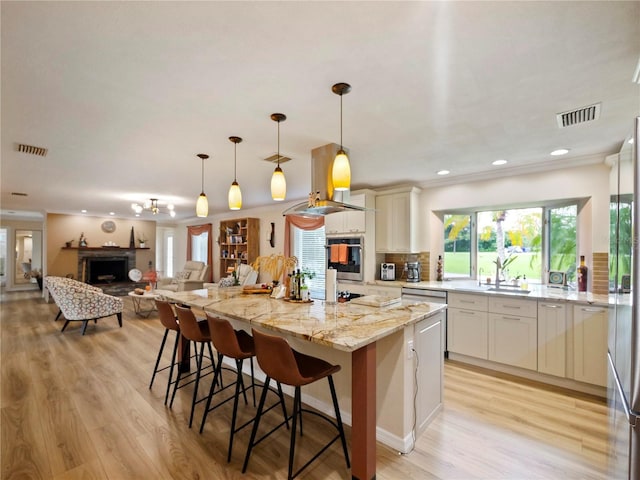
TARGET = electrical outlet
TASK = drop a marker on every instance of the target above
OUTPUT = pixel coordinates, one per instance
(410, 349)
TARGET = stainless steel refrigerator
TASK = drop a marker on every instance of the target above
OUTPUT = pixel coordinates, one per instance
(624, 317)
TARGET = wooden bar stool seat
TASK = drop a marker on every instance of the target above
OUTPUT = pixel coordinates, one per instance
(198, 333)
(281, 363)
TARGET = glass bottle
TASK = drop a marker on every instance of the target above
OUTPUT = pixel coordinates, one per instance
(583, 275)
(304, 292)
(439, 269)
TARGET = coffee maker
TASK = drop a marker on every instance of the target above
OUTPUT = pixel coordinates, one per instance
(413, 271)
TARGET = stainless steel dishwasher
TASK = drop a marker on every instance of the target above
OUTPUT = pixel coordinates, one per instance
(431, 296)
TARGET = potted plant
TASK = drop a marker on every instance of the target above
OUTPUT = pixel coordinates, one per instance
(142, 240)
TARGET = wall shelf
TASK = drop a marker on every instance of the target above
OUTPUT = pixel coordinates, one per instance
(239, 242)
(102, 249)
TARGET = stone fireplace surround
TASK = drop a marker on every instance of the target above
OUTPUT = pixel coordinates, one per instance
(121, 260)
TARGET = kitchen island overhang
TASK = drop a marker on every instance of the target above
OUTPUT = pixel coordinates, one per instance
(379, 349)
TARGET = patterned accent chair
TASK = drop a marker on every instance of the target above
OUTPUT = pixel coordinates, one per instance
(67, 281)
(192, 277)
(83, 302)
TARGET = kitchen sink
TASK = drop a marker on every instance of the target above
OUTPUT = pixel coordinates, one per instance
(513, 290)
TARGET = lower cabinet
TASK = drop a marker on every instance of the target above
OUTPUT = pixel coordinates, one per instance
(552, 338)
(428, 345)
(513, 340)
(590, 344)
(467, 332)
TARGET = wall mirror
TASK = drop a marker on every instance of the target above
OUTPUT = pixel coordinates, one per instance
(28, 256)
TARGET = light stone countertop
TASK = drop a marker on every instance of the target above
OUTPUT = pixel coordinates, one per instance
(537, 292)
(343, 326)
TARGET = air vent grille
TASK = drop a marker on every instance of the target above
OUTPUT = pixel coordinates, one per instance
(274, 158)
(20, 194)
(31, 150)
(579, 115)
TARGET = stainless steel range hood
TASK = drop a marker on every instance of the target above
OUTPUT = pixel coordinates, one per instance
(330, 200)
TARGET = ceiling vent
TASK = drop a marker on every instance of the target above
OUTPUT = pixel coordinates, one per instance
(579, 115)
(31, 150)
(274, 159)
(20, 194)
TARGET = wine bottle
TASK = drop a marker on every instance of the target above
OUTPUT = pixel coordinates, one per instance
(583, 275)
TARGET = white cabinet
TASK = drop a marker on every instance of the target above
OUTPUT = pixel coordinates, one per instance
(467, 321)
(397, 221)
(590, 344)
(349, 221)
(552, 337)
(428, 346)
(513, 332)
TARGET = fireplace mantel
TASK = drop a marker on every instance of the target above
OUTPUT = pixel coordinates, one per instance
(101, 249)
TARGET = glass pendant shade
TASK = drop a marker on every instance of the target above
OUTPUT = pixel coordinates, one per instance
(202, 206)
(341, 172)
(278, 185)
(235, 197)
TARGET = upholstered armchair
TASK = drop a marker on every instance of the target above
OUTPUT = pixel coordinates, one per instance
(192, 277)
(67, 281)
(79, 303)
(246, 276)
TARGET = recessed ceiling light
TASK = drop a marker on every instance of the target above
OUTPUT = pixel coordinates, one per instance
(631, 141)
(443, 172)
(498, 162)
(560, 151)
(112, 213)
(83, 211)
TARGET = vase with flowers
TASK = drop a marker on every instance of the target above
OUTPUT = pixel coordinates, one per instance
(142, 240)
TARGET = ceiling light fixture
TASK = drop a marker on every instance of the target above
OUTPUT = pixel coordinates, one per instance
(278, 182)
(202, 205)
(498, 162)
(235, 195)
(443, 172)
(341, 171)
(560, 151)
(152, 206)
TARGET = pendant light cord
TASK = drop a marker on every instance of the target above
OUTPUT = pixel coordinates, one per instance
(202, 190)
(278, 143)
(235, 150)
(340, 121)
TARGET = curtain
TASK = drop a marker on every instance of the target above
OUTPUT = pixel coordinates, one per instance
(303, 223)
(194, 231)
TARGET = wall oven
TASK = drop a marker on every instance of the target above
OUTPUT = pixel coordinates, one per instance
(345, 254)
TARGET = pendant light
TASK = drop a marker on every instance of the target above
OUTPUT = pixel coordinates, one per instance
(278, 182)
(202, 205)
(341, 171)
(235, 195)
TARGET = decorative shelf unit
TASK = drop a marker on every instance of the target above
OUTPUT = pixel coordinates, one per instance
(239, 240)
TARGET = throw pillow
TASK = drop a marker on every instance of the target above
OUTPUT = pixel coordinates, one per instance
(226, 282)
(181, 276)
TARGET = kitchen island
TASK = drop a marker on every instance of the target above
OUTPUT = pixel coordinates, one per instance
(377, 347)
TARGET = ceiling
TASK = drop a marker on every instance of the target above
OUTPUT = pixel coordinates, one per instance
(124, 95)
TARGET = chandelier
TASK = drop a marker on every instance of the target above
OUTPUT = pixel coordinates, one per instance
(152, 206)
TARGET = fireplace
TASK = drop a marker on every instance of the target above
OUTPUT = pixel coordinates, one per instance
(107, 270)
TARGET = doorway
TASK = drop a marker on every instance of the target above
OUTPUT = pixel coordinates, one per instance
(28, 258)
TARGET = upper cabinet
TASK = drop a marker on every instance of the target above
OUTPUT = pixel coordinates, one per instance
(352, 221)
(397, 221)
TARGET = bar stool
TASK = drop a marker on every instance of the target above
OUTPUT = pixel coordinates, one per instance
(285, 365)
(198, 333)
(170, 322)
(238, 345)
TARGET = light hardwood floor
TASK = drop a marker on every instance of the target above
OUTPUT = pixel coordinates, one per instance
(75, 407)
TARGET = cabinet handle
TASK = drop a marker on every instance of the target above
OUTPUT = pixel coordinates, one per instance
(546, 305)
(511, 318)
(468, 301)
(514, 307)
(470, 312)
(586, 309)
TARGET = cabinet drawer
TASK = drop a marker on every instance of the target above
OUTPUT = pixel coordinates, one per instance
(514, 306)
(468, 301)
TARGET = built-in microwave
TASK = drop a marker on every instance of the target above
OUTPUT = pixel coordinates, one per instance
(346, 255)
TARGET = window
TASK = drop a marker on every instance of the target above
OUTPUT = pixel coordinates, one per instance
(309, 248)
(457, 246)
(562, 240)
(473, 241)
